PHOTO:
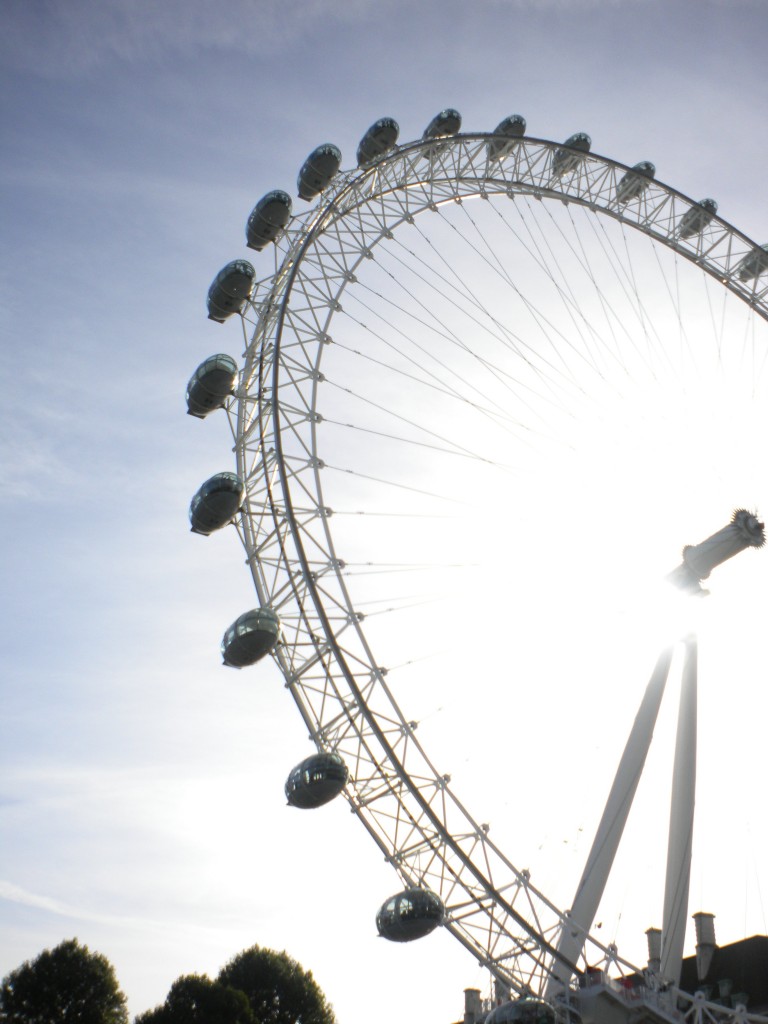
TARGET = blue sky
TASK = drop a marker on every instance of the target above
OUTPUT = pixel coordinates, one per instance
(141, 792)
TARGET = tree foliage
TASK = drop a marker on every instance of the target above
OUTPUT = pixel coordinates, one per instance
(65, 985)
(278, 988)
(258, 986)
(195, 999)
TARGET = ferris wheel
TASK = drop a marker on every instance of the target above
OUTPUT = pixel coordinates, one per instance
(462, 366)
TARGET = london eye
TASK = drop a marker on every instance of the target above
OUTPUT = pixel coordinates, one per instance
(490, 386)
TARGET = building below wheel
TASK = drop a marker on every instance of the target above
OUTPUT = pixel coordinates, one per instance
(735, 975)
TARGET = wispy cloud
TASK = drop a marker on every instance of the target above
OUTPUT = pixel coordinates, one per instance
(71, 38)
(31, 468)
(16, 894)
(74, 37)
(12, 893)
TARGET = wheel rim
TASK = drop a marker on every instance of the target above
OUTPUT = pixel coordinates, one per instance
(333, 674)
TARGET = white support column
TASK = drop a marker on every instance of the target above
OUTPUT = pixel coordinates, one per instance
(606, 842)
(681, 822)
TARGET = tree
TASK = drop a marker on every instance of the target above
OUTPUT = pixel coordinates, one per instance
(278, 988)
(195, 999)
(65, 985)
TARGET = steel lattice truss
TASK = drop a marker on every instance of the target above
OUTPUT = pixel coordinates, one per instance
(404, 802)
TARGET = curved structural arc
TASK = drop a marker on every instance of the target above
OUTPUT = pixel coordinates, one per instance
(406, 805)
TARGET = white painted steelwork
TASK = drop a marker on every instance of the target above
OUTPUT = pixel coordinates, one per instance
(404, 802)
(681, 821)
(606, 841)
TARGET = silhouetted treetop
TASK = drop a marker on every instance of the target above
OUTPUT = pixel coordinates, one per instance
(278, 988)
(65, 985)
(195, 999)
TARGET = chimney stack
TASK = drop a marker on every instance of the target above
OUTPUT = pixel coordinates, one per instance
(654, 949)
(473, 1008)
(705, 942)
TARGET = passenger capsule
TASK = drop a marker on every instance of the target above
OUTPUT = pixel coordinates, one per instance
(250, 638)
(268, 219)
(378, 140)
(754, 264)
(511, 128)
(635, 182)
(565, 160)
(411, 914)
(522, 1011)
(318, 170)
(216, 503)
(447, 122)
(316, 781)
(211, 384)
(697, 218)
(230, 289)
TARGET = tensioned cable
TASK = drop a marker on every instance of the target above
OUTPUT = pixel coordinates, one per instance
(538, 258)
(642, 317)
(543, 265)
(455, 451)
(444, 331)
(643, 320)
(539, 317)
(563, 285)
(444, 334)
(761, 365)
(628, 285)
(456, 448)
(690, 358)
(517, 339)
(457, 282)
(495, 321)
(546, 266)
(401, 486)
(585, 262)
(559, 404)
(614, 265)
(360, 322)
(382, 433)
(612, 318)
(582, 258)
(512, 336)
(375, 567)
(642, 312)
(432, 599)
(439, 387)
(685, 342)
(373, 514)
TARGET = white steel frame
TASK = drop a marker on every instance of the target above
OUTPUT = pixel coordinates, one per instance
(404, 802)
